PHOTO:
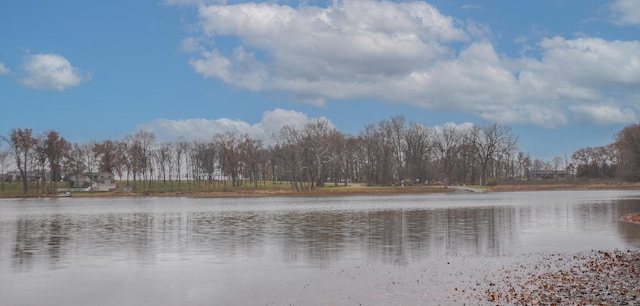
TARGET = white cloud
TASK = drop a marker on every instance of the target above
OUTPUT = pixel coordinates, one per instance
(205, 129)
(191, 44)
(241, 70)
(471, 6)
(3, 69)
(626, 12)
(590, 62)
(410, 53)
(50, 71)
(604, 114)
(461, 127)
(311, 50)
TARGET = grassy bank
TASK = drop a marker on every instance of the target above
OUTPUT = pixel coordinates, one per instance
(565, 185)
(267, 188)
(219, 189)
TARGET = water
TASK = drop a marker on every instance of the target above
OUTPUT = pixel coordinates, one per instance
(404, 250)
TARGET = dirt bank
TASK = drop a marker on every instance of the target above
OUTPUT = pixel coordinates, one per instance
(564, 185)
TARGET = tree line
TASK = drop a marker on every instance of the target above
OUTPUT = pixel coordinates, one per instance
(389, 152)
(619, 159)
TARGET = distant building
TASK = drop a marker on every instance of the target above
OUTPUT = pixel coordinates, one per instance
(547, 174)
(103, 181)
(571, 170)
(96, 181)
(543, 174)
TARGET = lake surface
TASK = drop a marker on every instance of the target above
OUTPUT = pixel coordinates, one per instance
(380, 250)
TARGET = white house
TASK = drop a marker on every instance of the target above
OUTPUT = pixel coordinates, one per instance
(103, 181)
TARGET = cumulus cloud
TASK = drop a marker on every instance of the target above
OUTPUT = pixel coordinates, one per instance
(626, 12)
(205, 129)
(604, 114)
(460, 127)
(241, 70)
(411, 53)
(3, 69)
(313, 51)
(50, 71)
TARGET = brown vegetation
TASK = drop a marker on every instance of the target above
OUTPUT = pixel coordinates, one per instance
(355, 189)
(567, 185)
(317, 192)
(633, 218)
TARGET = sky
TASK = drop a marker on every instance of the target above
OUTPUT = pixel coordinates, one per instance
(564, 74)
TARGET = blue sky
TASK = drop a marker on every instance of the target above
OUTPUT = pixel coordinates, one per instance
(564, 74)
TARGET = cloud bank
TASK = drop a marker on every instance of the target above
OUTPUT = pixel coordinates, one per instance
(410, 53)
(50, 71)
(626, 12)
(205, 129)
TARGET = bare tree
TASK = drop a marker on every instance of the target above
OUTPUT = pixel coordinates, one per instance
(139, 148)
(488, 142)
(21, 143)
(378, 154)
(205, 160)
(394, 130)
(76, 163)
(40, 156)
(230, 158)
(418, 140)
(582, 159)
(524, 165)
(3, 158)
(89, 159)
(56, 148)
(602, 162)
(447, 141)
(339, 160)
(126, 159)
(288, 153)
(356, 156)
(540, 168)
(109, 154)
(181, 150)
(164, 161)
(556, 162)
(315, 143)
(250, 154)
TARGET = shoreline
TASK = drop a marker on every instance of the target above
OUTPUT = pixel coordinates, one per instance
(597, 277)
(272, 192)
(351, 190)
